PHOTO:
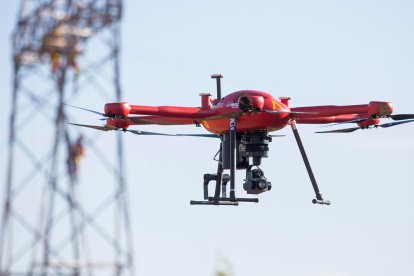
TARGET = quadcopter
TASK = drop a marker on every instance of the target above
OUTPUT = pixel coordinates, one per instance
(243, 121)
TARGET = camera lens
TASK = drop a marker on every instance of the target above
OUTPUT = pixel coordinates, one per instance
(262, 184)
(258, 173)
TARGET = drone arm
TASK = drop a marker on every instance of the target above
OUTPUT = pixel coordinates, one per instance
(194, 113)
(373, 108)
(171, 111)
(164, 115)
(159, 120)
(124, 109)
(332, 119)
(165, 111)
(328, 111)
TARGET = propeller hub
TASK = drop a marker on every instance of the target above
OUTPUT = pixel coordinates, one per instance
(121, 109)
(118, 123)
(369, 122)
(380, 109)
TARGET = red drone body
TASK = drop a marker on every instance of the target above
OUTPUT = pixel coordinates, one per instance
(247, 107)
(243, 120)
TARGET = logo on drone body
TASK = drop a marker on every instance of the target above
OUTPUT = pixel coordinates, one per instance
(233, 105)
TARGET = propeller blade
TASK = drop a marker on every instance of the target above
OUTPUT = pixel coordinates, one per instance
(140, 132)
(103, 128)
(199, 135)
(386, 125)
(214, 135)
(344, 130)
(347, 122)
(89, 110)
(395, 123)
(399, 117)
(107, 128)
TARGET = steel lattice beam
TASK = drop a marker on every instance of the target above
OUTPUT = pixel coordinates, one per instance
(47, 228)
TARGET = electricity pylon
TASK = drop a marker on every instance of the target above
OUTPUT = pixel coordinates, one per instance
(65, 210)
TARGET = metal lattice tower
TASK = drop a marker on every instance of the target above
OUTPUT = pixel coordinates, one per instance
(65, 210)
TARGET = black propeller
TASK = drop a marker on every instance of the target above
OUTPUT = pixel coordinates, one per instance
(89, 110)
(352, 129)
(215, 135)
(395, 117)
(108, 128)
(348, 122)
(396, 123)
(140, 132)
(199, 135)
(399, 117)
(344, 130)
(96, 112)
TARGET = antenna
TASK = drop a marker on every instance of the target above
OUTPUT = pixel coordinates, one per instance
(218, 78)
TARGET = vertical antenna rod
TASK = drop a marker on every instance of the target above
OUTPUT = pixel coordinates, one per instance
(218, 78)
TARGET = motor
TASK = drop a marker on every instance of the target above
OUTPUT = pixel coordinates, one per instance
(256, 182)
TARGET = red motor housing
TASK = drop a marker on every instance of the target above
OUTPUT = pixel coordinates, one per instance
(382, 109)
(118, 122)
(369, 122)
(121, 109)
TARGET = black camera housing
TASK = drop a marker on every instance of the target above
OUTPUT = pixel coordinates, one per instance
(256, 182)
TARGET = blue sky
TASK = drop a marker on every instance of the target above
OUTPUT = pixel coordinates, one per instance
(317, 52)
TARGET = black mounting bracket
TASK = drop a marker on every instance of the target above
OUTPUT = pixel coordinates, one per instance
(217, 199)
(222, 179)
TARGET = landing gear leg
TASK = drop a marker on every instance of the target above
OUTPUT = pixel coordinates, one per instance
(219, 173)
(319, 199)
(233, 143)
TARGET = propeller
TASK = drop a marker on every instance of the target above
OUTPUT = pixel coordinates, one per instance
(396, 123)
(347, 122)
(140, 132)
(89, 110)
(103, 128)
(344, 130)
(96, 112)
(395, 117)
(399, 117)
(108, 128)
(198, 135)
(352, 129)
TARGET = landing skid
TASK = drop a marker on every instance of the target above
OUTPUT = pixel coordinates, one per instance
(217, 200)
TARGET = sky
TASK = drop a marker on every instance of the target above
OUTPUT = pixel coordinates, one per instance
(317, 52)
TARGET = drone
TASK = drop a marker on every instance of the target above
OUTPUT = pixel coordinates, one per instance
(243, 121)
